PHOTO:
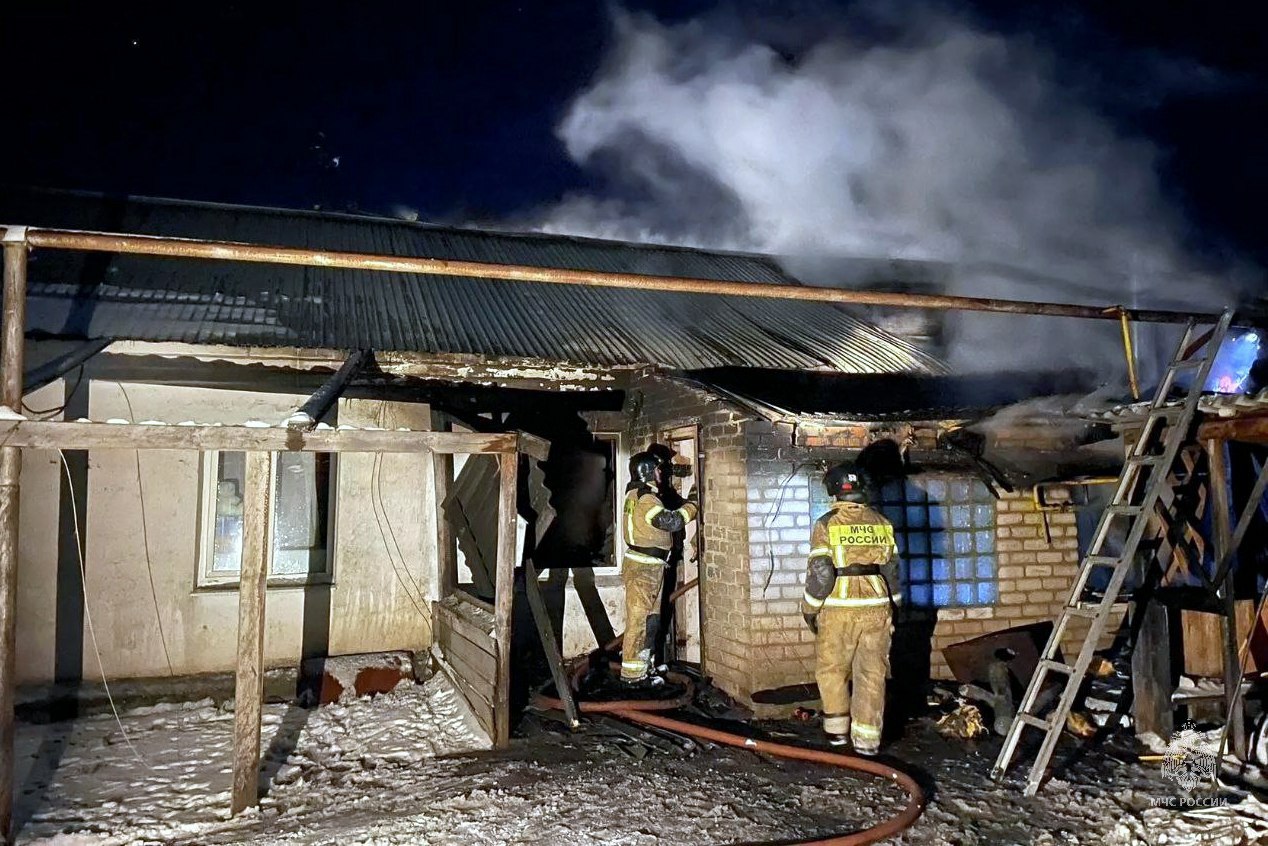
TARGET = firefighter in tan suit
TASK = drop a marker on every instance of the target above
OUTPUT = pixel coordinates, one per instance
(648, 529)
(848, 603)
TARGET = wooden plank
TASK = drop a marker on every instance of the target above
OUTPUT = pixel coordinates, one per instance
(543, 516)
(473, 654)
(476, 603)
(481, 707)
(1253, 501)
(1202, 634)
(442, 479)
(249, 684)
(1222, 530)
(1151, 673)
(533, 446)
(467, 627)
(508, 465)
(486, 688)
(52, 434)
(307, 415)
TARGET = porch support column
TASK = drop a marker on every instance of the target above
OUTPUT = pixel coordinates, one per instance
(504, 581)
(249, 686)
(11, 355)
(1221, 518)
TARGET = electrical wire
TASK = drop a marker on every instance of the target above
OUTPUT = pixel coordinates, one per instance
(774, 509)
(385, 522)
(145, 540)
(92, 631)
(46, 413)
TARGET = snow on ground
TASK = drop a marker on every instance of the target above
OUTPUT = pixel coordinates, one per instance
(169, 775)
(408, 768)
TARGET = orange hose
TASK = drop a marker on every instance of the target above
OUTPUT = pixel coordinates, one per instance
(637, 711)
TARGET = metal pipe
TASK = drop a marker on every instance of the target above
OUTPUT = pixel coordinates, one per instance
(12, 335)
(66, 239)
(11, 354)
(42, 375)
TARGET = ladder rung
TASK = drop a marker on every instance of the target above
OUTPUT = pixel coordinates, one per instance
(1081, 611)
(1102, 561)
(1049, 664)
(1146, 460)
(1036, 722)
(1189, 363)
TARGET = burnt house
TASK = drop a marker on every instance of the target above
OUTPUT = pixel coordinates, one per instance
(376, 550)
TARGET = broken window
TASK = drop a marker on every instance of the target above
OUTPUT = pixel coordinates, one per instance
(301, 487)
(945, 529)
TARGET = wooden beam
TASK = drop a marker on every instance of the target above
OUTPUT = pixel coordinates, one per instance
(1151, 671)
(1243, 525)
(1221, 517)
(543, 516)
(307, 415)
(1251, 428)
(508, 467)
(11, 356)
(249, 685)
(38, 377)
(53, 434)
(442, 480)
(534, 447)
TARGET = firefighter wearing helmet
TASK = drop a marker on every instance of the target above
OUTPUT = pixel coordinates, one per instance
(648, 529)
(848, 604)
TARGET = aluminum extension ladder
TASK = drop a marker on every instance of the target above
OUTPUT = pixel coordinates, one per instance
(1166, 428)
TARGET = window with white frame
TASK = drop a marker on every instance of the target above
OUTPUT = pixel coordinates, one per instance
(944, 526)
(301, 486)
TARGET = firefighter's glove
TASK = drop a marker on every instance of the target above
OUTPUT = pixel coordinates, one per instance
(812, 620)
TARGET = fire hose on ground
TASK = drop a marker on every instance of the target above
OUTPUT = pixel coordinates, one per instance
(641, 711)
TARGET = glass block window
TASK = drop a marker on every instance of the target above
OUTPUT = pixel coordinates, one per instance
(945, 530)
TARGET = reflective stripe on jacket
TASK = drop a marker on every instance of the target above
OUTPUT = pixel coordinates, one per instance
(852, 533)
(641, 507)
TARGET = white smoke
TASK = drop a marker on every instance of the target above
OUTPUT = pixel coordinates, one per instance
(946, 144)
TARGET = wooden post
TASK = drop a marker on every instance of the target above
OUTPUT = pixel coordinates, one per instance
(249, 687)
(1152, 710)
(1221, 519)
(544, 515)
(446, 551)
(11, 361)
(508, 467)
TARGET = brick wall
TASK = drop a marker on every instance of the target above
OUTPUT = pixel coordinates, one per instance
(1035, 568)
(756, 522)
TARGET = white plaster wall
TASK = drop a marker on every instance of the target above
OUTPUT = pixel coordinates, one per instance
(578, 637)
(142, 546)
(37, 551)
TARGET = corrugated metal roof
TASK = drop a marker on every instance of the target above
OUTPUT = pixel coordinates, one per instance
(837, 397)
(146, 298)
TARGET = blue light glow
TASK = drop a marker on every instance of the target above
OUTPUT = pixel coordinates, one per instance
(1231, 371)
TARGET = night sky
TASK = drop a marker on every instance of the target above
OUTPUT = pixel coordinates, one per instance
(449, 108)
